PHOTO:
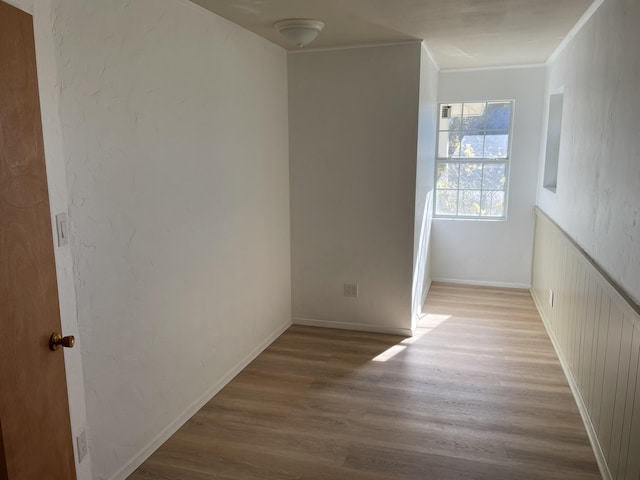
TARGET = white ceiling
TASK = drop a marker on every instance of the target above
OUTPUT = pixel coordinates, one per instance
(460, 33)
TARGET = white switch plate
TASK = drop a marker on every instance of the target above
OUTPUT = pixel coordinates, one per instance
(82, 445)
(63, 229)
(551, 298)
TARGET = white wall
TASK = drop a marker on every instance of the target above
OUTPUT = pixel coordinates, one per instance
(598, 192)
(485, 251)
(175, 133)
(427, 118)
(58, 199)
(353, 140)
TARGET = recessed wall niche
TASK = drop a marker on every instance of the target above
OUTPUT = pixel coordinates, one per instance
(552, 155)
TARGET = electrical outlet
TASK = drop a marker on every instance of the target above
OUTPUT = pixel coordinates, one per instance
(551, 298)
(351, 290)
(82, 445)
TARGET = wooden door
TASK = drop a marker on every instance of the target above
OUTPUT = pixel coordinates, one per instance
(35, 436)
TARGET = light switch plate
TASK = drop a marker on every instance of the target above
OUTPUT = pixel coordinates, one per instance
(82, 445)
(63, 229)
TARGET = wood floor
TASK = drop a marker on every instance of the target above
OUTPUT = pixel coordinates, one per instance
(478, 393)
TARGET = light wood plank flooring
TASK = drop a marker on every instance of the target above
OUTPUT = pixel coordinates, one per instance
(478, 393)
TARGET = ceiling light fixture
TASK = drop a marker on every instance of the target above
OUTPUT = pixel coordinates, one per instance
(299, 31)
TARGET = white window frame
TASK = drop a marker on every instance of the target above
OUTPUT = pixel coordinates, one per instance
(501, 161)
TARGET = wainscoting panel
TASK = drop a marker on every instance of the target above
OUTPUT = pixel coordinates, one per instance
(595, 328)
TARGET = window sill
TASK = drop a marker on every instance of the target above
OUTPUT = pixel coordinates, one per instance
(473, 219)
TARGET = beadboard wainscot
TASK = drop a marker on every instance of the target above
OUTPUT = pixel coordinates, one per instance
(595, 328)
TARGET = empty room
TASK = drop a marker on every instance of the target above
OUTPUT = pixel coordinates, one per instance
(309, 239)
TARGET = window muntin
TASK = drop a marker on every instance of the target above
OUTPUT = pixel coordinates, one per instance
(473, 159)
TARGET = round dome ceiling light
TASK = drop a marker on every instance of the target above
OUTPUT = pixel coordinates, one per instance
(299, 31)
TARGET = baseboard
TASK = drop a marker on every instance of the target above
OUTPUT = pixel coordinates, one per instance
(483, 283)
(360, 327)
(582, 408)
(191, 410)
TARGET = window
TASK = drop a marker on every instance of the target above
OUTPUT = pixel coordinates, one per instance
(472, 164)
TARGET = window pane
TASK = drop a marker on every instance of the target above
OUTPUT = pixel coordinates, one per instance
(494, 177)
(473, 159)
(496, 145)
(449, 145)
(493, 203)
(469, 202)
(446, 202)
(471, 144)
(473, 116)
(454, 121)
(448, 175)
(471, 176)
(498, 115)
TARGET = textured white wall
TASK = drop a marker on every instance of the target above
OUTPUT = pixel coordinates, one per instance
(598, 193)
(496, 252)
(175, 135)
(353, 140)
(427, 117)
(58, 199)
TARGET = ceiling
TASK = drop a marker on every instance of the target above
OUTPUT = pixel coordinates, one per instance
(460, 33)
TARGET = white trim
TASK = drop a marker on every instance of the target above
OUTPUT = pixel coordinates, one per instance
(582, 408)
(494, 67)
(360, 327)
(351, 47)
(430, 55)
(206, 11)
(467, 217)
(22, 6)
(482, 283)
(191, 410)
(574, 31)
(425, 294)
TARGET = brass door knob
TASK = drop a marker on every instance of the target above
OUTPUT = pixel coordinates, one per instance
(56, 341)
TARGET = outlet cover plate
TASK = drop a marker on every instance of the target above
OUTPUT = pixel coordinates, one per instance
(351, 290)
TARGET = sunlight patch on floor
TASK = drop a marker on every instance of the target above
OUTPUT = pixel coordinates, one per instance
(389, 353)
(426, 324)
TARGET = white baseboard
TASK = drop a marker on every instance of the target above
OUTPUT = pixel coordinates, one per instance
(483, 283)
(582, 408)
(360, 327)
(191, 410)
